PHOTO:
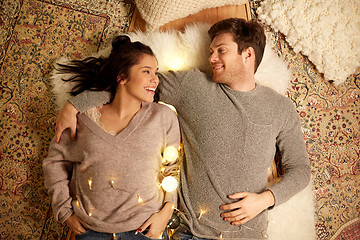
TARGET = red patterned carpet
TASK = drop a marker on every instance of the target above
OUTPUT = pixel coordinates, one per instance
(34, 33)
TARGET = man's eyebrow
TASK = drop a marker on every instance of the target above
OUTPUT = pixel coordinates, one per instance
(219, 45)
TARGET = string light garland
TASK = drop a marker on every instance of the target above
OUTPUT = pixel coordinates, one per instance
(168, 170)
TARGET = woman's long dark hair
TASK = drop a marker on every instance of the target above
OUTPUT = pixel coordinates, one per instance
(100, 74)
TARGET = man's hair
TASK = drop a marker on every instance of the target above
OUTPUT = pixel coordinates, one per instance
(246, 34)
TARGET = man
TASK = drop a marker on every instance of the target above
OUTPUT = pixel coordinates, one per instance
(231, 129)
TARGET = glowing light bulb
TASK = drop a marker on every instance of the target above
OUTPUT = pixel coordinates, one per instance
(140, 199)
(201, 213)
(169, 184)
(77, 203)
(90, 214)
(171, 153)
(175, 63)
(90, 184)
(112, 182)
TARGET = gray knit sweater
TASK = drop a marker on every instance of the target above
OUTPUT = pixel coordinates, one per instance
(122, 169)
(230, 139)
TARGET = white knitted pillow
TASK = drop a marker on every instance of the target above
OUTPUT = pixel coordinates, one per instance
(159, 12)
(328, 32)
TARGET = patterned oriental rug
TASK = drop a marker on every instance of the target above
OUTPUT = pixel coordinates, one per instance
(34, 34)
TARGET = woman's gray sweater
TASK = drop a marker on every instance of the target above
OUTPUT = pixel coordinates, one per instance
(102, 177)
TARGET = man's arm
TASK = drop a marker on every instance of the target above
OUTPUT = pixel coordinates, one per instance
(66, 119)
(80, 103)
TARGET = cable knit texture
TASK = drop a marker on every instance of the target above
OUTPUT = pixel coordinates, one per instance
(159, 12)
(327, 31)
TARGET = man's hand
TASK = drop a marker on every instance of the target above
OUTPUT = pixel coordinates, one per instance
(248, 206)
(66, 119)
(75, 224)
(157, 222)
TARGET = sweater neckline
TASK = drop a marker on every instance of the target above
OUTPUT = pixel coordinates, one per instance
(239, 93)
(125, 133)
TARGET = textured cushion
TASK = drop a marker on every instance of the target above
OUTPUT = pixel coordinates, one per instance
(159, 12)
(328, 32)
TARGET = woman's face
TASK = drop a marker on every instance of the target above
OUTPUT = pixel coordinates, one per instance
(142, 80)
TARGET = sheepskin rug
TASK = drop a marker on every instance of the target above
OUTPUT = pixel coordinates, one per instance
(189, 49)
(327, 31)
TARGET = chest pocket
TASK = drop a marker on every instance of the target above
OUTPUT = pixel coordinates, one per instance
(259, 141)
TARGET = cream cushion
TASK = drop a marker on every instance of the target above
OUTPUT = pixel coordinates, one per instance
(159, 12)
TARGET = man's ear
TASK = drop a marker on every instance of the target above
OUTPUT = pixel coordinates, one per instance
(248, 54)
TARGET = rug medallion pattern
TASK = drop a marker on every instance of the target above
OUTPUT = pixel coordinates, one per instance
(33, 34)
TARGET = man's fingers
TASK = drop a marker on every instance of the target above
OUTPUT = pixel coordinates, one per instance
(240, 222)
(238, 195)
(232, 214)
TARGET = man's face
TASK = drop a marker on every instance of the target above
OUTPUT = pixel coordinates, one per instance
(226, 62)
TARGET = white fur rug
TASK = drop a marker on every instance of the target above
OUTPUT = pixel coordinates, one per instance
(180, 51)
(327, 31)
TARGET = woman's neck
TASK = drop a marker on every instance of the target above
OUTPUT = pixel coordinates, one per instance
(116, 115)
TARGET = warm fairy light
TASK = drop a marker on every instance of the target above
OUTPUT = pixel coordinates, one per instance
(202, 212)
(171, 154)
(90, 214)
(140, 199)
(221, 235)
(112, 183)
(175, 63)
(77, 203)
(162, 169)
(90, 184)
(170, 106)
(169, 184)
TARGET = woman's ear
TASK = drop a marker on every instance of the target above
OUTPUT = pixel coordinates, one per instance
(121, 79)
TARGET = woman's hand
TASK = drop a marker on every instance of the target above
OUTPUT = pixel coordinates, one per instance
(66, 119)
(158, 221)
(75, 224)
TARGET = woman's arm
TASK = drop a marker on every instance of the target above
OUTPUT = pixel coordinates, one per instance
(158, 221)
(57, 176)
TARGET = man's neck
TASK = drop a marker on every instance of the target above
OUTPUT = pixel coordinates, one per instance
(243, 84)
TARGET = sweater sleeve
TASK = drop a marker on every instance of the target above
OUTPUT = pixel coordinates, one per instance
(172, 139)
(170, 86)
(57, 175)
(294, 158)
(89, 99)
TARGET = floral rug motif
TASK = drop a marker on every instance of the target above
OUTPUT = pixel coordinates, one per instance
(34, 33)
(34, 36)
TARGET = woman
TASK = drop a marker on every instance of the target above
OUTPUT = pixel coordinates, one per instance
(106, 183)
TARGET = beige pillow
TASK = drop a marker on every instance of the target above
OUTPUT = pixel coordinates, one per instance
(159, 12)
